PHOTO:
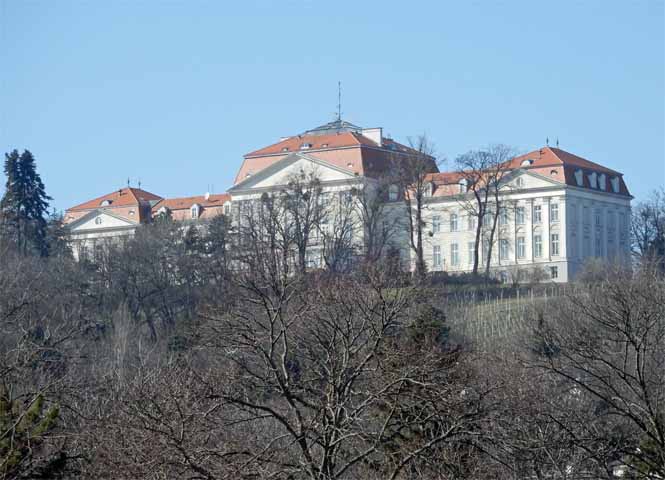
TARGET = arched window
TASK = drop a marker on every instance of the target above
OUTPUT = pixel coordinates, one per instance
(519, 182)
(98, 221)
(105, 203)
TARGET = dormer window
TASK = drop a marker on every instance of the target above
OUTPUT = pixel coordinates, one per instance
(579, 178)
(306, 146)
(105, 203)
(285, 149)
(132, 212)
(593, 180)
(393, 193)
(324, 145)
(195, 211)
(615, 184)
(601, 182)
(527, 162)
(553, 172)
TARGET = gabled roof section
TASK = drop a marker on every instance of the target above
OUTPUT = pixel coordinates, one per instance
(184, 203)
(124, 197)
(313, 142)
(549, 156)
(366, 152)
(96, 212)
(283, 161)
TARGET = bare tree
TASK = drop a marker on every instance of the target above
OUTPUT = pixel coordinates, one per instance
(410, 172)
(334, 381)
(482, 172)
(338, 228)
(379, 227)
(648, 227)
(605, 343)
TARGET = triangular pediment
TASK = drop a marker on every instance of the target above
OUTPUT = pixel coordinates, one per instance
(99, 219)
(525, 179)
(295, 164)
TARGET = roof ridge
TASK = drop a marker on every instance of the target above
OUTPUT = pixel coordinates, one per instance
(563, 162)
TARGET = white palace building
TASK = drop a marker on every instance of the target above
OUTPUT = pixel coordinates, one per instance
(560, 208)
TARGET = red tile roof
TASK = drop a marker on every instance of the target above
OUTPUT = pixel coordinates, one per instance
(554, 163)
(216, 200)
(349, 150)
(124, 197)
(549, 156)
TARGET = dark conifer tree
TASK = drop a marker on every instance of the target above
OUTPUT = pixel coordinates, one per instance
(10, 205)
(24, 206)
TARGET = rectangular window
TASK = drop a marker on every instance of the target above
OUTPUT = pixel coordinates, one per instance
(537, 246)
(488, 218)
(436, 224)
(537, 214)
(503, 217)
(586, 218)
(393, 193)
(436, 256)
(313, 259)
(471, 247)
(519, 215)
(471, 223)
(503, 249)
(554, 272)
(521, 247)
(599, 246)
(486, 249)
(554, 249)
(453, 222)
(454, 255)
(554, 212)
(598, 217)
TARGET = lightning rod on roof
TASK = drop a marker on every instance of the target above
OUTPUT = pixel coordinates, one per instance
(339, 101)
(547, 141)
(128, 181)
(557, 142)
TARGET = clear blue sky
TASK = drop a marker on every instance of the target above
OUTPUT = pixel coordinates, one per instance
(175, 92)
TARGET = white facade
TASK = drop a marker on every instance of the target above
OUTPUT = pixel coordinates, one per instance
(543, 224)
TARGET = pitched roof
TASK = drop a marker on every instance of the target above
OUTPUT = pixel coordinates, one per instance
(183, 203)
(315, 142)
(346, 149)
(554, 163)
(549, 156)
(123, 197)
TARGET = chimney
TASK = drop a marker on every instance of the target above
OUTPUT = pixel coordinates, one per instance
(207, 196)
(375, 134)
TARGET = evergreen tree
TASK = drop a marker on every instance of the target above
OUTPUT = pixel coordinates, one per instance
(10, 227)
(24, 206)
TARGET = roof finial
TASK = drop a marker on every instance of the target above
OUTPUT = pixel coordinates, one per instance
(339, 101)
